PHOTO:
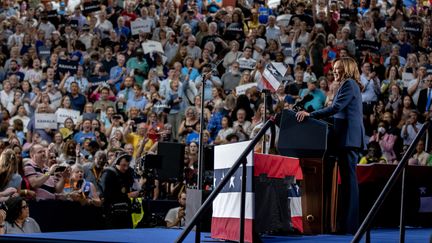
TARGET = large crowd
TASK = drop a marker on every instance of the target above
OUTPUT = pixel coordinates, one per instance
(118, 77)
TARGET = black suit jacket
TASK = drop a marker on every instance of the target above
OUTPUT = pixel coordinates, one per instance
(422, 100)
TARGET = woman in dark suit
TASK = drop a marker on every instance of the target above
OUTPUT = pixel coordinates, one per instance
(349, 134)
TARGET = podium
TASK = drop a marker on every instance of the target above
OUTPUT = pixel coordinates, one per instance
(308, 141)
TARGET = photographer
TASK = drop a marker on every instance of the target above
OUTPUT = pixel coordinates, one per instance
(116, 183)
(176, 216)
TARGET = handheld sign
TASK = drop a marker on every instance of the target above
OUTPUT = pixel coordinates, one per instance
(45, 120)
(152, 46)
(44, 52)
(90, 7)
(140, 25)
(62, 114)
(65, 66)
(242, 88)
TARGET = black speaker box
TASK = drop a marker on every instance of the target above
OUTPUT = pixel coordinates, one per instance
(172, 158)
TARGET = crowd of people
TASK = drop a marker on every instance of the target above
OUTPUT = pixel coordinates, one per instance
(113, 98)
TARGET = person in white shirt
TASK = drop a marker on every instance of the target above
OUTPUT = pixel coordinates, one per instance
(176, 216)
(17, 38)
(371, 89)
(46, 26)
(104, 26)
(193, 50)
(272, 31)
(7, 94)
(415, 85)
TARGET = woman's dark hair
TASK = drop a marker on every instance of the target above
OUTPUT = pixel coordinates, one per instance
(14, 205)
(242, 103)
(230, 122)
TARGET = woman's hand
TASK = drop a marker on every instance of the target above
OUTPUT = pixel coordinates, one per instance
(301, 115)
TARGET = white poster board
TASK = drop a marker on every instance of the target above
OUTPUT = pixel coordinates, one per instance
(242, 88)
(62, 114)
(45, 120)
(152, 46)
(140, 25)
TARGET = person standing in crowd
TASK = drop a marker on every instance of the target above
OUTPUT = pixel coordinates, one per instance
(349, 135)
(93, 170)
(116, 183)
(42, 178)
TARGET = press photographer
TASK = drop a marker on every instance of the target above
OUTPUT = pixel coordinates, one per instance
(117, 182)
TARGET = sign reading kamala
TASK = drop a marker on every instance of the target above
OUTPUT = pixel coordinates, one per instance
(140, 25)
(44, 52)
(90, 7)
(65, 66)
(45, 120)
(62, 114)
(226, 206)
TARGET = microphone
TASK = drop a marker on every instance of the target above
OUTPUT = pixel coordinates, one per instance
(299, 105)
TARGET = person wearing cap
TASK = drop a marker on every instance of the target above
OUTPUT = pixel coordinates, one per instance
(116, 184)
(259, 47)
(85, 36)
(318, 95)
(138, 66)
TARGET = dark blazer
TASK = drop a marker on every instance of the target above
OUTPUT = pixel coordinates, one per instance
(422, 100)
(347, 112)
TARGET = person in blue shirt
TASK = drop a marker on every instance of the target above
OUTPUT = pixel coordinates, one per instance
(318, 95)
(138, 100)
(118, 73)
(78, 100)
(264, 13)
(85, 133)
(188, 68)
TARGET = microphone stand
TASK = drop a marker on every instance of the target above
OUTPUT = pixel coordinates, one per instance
(266, 93)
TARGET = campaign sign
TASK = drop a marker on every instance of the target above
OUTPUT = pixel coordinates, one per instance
(73, 23)
(45, 120)
(91, 7)
(413, 28)
(368, 45)
(65, 66)
(44, 52)
(62, 114)
(242, 88)
(152, 46)
(140, 25)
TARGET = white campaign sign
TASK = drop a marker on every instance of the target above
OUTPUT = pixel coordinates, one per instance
(45, 120)
(152, 46)
(242, 88)
(140, 25)
(62, 114)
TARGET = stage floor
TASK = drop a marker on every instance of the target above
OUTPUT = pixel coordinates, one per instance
(159, 235)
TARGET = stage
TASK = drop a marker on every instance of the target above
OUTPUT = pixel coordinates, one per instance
(160, 235)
